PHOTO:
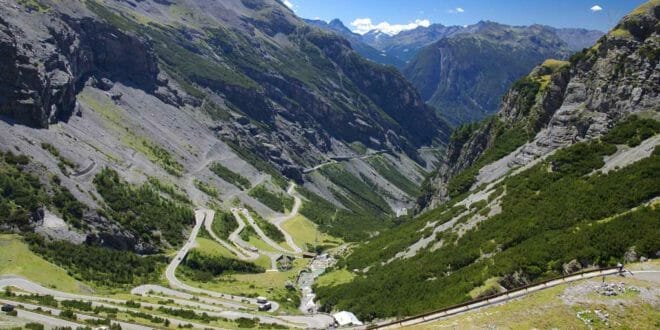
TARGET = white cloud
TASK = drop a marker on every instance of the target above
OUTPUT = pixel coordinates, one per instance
(288, 3)
(364, 25)
(457, 10)
(460, 10)
(596, 8)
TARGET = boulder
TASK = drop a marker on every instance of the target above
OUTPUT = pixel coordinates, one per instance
(571, 267)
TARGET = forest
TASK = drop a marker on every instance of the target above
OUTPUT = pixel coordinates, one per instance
(143, 210)
(560, 210)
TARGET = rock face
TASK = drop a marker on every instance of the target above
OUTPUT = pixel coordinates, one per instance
(47, 58)
(127, 85)
(400, 49)
(464, 76)
(616, 77)
(357, 43)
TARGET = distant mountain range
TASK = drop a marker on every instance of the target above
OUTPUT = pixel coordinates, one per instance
(463, 71)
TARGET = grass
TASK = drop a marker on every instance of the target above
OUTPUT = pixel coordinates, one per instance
(34, 5)
(304, 232)
(17, 259)
(211, 247)
(491, 286)
(555, 65)
(268, 284)
(546, 310)
(335, 277)
(260, 244)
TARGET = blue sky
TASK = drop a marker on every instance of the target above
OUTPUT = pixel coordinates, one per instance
(394, 15)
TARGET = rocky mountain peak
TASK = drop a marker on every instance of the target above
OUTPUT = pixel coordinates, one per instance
(561, 103)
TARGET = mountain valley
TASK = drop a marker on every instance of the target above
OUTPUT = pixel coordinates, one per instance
(228, 164)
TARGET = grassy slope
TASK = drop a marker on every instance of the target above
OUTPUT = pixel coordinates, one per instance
(17, 259)
(306, 232)
(335, 277)
(546, 310)
(209, 246)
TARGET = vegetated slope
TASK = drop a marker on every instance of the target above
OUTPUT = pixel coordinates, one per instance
(464, 76)
(119, 114)
(556, 215)
(563, 104)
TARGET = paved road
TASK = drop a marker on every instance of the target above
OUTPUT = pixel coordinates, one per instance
(297, 203)
(47, 320)
(247, 249)
(50, 320)
(170, 272)
(333, 161)
(261, 233)
(208, 224)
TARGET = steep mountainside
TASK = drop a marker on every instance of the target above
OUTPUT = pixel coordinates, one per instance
(108, 103)
(465, 76)
(563, 178)
(357, 43)
(405, 45)
(464, 71)
(401, 48)
(564, 104)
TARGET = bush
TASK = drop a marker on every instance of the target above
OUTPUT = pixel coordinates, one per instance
(275, 201)
(224, 224)
(201, 265)
(632, 131)
(548, 218)
(100, 265)
(230, 176)
(142, 209)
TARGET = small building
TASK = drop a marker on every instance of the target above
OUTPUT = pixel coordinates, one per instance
(345, 319)
(284, 262)
(309, 255)
(264, 307)
(8, 308)
(261, 300)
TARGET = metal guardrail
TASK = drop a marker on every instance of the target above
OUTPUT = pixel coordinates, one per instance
(492, 299)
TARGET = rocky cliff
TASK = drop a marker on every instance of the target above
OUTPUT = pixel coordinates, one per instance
(47, 58)
(159, 91)
(464, 76)
(559, 104)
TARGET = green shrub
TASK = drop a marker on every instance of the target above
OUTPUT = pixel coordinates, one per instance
(142, 209)
(224, 224)
(204, 267)
(548, 218)
(230, 176)
(278, 202)
(100, 265)
(206, 188)
(632, 131)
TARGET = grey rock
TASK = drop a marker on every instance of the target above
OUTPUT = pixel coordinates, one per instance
(571, 267)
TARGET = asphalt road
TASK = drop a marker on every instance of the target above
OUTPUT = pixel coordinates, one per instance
(170, 272)
(297, 202)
